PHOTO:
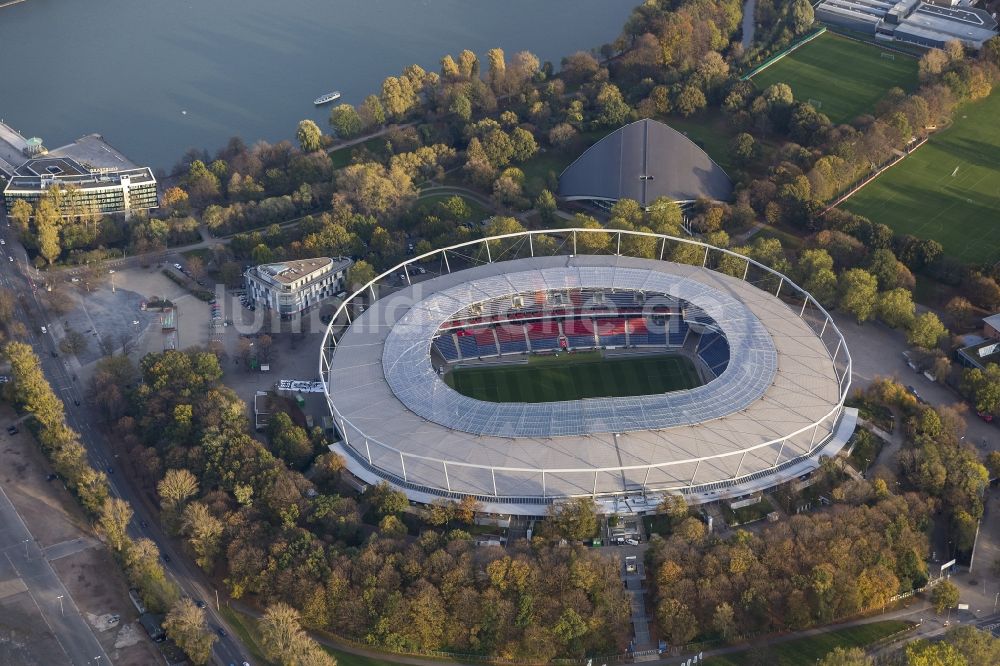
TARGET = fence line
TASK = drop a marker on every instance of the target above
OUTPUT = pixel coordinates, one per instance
(778, 56)
(872, 176)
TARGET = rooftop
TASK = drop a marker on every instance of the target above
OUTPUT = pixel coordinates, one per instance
(644, 161)
(396, 411)
(44, 172)
(287, 272)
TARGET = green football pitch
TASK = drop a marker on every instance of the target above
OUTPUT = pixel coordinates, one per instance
(573, 376)
(947, 190)
(841, 77)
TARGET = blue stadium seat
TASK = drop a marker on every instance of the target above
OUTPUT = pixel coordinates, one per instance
(446, 347)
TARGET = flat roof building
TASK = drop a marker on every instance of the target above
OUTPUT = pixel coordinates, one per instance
(911, 21)
(644, 161)
(86, 190)
(294, 287)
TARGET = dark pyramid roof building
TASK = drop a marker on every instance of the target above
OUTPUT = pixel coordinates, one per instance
(644, 161)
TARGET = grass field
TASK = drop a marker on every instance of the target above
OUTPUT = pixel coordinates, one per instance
(948, 190)
(575, 376)
(807, 651)
(847, 77)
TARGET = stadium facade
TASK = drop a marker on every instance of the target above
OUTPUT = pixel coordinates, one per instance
(775, 372)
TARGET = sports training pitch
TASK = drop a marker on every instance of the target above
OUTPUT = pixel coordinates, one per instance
(948, 190)
(573, 376)
(846, 77)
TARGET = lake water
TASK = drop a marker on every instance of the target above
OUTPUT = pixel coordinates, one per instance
(130, 69)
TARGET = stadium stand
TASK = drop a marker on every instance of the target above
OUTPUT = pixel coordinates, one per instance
(713, 349)
(511, 337)
(445, 345)
(677, 330)
(611, 332)
(543, 335)
(486, 342)
(638, 332)
(579, 332)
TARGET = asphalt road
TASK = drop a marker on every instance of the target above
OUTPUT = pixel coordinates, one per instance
(22, 280)
(53, 600)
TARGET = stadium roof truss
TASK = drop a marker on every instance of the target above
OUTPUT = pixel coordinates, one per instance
(777, 404)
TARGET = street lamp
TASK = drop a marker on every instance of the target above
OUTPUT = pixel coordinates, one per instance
(60, 598)
(25, 542)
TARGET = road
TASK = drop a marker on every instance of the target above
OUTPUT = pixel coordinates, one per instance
(16, 276)
(51, 597)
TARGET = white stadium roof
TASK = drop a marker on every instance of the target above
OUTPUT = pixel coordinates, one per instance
(779, 399)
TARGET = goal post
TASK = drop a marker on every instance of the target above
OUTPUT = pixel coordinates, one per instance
(888, 56)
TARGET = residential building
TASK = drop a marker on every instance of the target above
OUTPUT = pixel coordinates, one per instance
(295, 287)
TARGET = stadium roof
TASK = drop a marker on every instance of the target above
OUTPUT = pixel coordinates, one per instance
(644, 161)
(777, 398)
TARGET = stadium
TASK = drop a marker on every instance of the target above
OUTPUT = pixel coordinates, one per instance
(532, 367)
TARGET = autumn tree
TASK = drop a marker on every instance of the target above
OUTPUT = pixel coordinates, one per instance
(575, 519)
(203, 532)
(186, 625)
(113, 523)
(926, 331)
(176, 487)
(284, 642)
(944, 595)
(309, 135)
(348, 123)
(858, 289)
(846, 657)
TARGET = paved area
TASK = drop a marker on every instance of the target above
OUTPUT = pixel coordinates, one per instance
(53, 602)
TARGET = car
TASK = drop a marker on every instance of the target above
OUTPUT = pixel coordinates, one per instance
(4, 379)
(44, 330)
(143, 523)
(914, 393)
(74, 279)
(51, 477)
(76, 402)
(135, 322)
(111, 470)
(11, 259)
(199, 603)
(421, 270)
(222, 632)
(2, 242)
(12, 430)
(177, 266)
(632, 542)
(166, 558)
(986, 416)
(54, 355)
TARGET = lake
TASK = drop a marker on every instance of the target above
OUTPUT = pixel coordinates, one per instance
(156, 78)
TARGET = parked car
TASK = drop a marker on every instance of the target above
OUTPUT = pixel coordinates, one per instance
(44, 330)
(12, 430)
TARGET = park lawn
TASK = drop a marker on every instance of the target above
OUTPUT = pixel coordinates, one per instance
(948, 190)
(807, 651)
(845, 77)
(479, 212)
(575, 376)
(709, 130)
(342, 156)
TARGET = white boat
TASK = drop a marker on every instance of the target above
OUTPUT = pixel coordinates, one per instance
(329, 97)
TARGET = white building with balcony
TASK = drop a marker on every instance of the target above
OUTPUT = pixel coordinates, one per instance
(295, 287)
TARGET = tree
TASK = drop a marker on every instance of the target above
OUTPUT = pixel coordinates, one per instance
(858, 289)
(546, 207)
(944, 595)
(895, 308)
(74, 342)
(360, 274)
(743, 148)
(284, 642)
(346, 121)
(802, 16)
(961, 313)
(20, 216)
(926, 331)
(371, 113)
(846, 657)
(723, 622)
(113, 523)
(690, 100)
(309, 135)
(497, 72)
(575, 519)
(385, 500)
(48, 232)
(677, 621)
(185, 624)
(612, 110)
(203, 532)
